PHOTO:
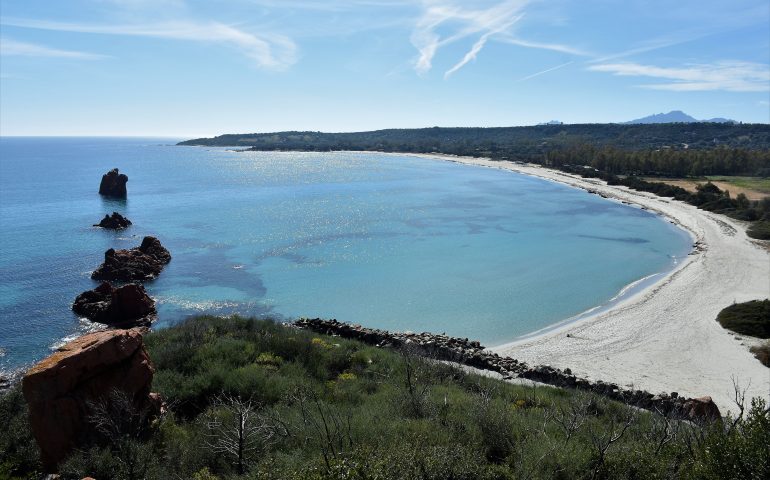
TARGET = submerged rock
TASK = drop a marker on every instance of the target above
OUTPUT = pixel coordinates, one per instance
(115, 221)
(123, 307)
(63, 390)
(142, 263)
(113, 184)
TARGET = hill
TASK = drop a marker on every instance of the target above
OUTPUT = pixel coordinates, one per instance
(676, 116)
(519, 142)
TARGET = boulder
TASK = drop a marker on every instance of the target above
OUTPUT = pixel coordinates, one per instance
(115, 221)
(137, 264)
(63, 389)
(123, 307)
(701, 409)
(113, 184)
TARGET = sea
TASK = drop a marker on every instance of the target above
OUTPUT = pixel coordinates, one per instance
(387, 241)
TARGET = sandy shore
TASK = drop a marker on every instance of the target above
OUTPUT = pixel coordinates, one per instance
(664, 338)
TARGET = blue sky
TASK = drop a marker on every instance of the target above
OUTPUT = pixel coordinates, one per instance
(200, 68)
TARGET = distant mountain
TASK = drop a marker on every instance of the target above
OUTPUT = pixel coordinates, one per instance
(677, 116)
(552, 122)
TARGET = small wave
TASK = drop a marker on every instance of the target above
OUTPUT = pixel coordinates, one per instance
(85, 326)
(631, 285)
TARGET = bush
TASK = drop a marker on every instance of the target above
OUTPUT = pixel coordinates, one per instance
(19, 456)
(759, 230)
(748, 318)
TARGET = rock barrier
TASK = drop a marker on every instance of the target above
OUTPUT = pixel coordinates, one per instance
(473, 354)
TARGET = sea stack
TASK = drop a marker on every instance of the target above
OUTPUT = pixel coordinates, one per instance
(144, 262)
(113, 184)
(115, 221)
(123, 307)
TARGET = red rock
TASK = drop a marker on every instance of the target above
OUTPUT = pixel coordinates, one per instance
(60, 389)
(702, 408)
(144, 262)
(124, 307)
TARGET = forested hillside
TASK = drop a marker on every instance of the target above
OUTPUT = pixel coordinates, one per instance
(674, 149)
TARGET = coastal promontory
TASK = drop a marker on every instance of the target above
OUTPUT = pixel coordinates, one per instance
(81, 382)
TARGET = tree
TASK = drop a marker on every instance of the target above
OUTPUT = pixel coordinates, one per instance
(238, 430)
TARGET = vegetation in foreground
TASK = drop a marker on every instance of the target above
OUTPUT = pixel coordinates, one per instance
(257, 400)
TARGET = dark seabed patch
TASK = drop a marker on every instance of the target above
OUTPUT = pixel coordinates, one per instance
(617, 239)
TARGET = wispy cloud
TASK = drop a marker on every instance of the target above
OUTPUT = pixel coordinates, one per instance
(266, 50)
(544, 46)
(653, 44)
(732, 76)
(13, 47)
(477, 46)
(537, 74)
(465, 23)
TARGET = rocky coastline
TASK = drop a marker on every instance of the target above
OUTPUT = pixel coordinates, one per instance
(473, 354)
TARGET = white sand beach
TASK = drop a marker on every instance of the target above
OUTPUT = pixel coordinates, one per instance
(664, 338)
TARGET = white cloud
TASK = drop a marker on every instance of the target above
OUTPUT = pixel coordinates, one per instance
(732, 76)
(13, 47)
(443, 13)
(270, 51)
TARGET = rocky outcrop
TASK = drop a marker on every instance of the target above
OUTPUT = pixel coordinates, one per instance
(113, 184)
(473, 354)
(63, 390)
(137, 264)
(123, 307)
(700, 408)
(115, 221)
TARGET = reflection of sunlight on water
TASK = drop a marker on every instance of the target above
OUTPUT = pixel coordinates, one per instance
(204, 305)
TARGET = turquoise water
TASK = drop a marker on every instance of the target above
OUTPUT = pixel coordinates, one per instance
(395, 242)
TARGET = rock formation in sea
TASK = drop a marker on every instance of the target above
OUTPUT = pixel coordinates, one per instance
(113, 184)
(115, 221)
(137, 264)
(104, 376)
(123, 307)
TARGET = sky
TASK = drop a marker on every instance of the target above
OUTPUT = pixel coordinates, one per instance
(191, 68)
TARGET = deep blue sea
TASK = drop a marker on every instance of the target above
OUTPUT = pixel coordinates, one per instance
(396, 242)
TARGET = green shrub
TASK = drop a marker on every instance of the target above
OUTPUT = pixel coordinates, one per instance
(759, 230)
(748, 318)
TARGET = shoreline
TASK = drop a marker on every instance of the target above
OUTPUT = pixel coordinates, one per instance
(664, 337)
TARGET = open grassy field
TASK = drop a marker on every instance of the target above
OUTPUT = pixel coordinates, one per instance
(755, 188)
